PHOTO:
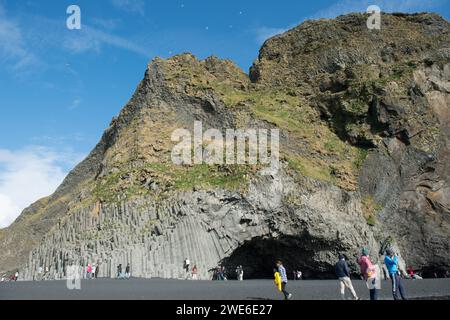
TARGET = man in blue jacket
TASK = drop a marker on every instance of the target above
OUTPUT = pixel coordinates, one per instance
(391, 262)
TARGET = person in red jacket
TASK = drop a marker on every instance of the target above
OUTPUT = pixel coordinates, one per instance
(411, 272)
(89, 272)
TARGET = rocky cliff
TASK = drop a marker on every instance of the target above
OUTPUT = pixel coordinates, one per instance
(364, 119)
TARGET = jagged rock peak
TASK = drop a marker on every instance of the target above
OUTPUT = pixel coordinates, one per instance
(331, 45)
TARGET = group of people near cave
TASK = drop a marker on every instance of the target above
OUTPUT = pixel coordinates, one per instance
(370, 272)
(372, 275)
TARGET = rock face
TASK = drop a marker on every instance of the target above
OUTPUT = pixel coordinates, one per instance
(364, 120)
(208, 227)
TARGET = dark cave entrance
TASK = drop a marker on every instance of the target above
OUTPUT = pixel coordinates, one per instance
(431, 272)
(258, 257)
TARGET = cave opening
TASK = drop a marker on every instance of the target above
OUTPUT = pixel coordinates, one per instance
(258, 257)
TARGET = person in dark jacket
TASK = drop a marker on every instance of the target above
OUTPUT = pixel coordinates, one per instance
(97, 270)
(119, 272)
(343, 274)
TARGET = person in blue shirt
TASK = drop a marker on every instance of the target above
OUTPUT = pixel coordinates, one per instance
(284, 279)
(391, 262)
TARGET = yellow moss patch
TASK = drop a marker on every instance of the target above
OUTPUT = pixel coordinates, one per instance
(370, 209)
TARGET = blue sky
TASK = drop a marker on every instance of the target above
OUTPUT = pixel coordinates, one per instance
(59, 88)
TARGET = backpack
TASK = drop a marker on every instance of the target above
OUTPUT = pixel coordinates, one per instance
(277, 281)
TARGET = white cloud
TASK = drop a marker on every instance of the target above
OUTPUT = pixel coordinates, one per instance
(8, 211)
(13, 48)
(59, 140)
(88, 39)
(75, 104)
(133, 6)
(108, 24)
(29, 174)
(24, 50)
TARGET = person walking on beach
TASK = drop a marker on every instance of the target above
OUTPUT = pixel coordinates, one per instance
(89, 272)
(187, 265)
(195, 273)
(128, 272)
(223, 273)
(97, 269)
(119, 272)
(343, 274)
(391, 262)
(40, 273)
(94, 269)
(283, 275)
(219, 275)
(240, 273)
(370, 273)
